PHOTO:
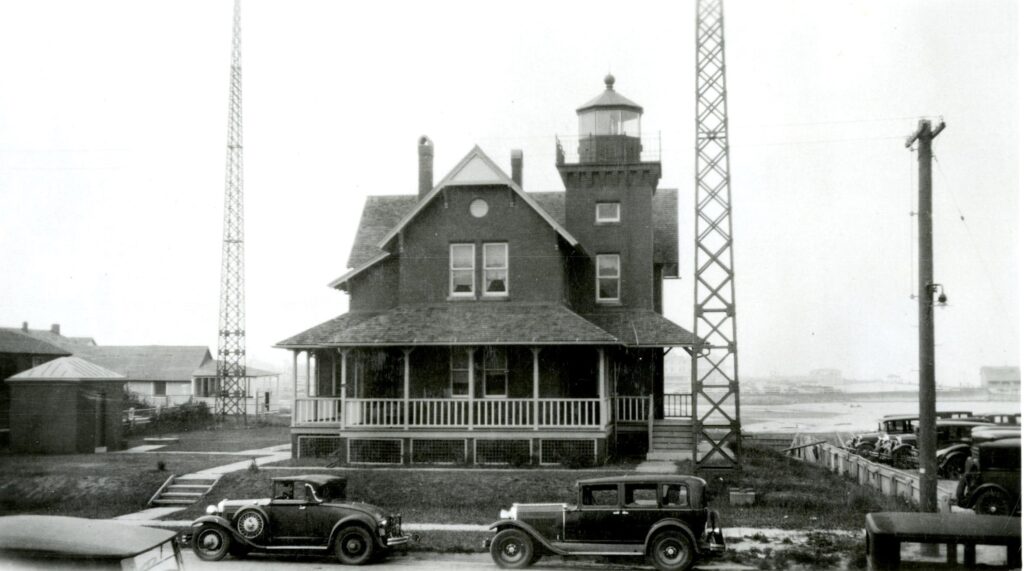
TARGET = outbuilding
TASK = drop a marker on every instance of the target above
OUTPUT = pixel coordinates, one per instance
(66, 406)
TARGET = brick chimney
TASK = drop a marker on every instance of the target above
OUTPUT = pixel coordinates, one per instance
(517, 166)
(55, 328)
(24, 325)
(426, 152)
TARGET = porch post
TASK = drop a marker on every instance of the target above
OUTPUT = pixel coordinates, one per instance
(295, 383)
(405, 391)
(472, 389)
(602, 390)
(344, 386)
(334, 374)
(536, 387)
(309, 358)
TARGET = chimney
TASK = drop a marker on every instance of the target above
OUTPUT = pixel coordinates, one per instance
(517, 167)
(426, 152)
(24, 325)
(55, 329)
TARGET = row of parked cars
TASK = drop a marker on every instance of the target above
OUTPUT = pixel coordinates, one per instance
(982, 452)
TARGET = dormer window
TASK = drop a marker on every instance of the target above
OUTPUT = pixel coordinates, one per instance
(462, 261)
(607, 212)
(608, 277)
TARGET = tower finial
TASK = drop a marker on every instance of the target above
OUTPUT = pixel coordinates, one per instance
(609, 81)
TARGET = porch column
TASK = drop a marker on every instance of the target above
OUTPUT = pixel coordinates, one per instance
(344, 386)
(472, 389)
(536, 387)
(405, 390)
(334, 374)
(602, 389)
(309, 358)
(295, 383)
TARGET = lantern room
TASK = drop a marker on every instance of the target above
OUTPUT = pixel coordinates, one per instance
(609, 128)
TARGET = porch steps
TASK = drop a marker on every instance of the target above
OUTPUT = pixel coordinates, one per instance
(184, 490)
(672, 439)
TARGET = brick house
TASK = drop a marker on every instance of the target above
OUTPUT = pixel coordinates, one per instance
(488, 324)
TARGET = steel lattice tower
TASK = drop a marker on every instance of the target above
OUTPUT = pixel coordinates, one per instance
(716, 401)
(231, 344)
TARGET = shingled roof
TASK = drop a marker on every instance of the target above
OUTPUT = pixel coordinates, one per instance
(68, 344)
(67, 369)
(150, 362)
(468, 323)
(643, 328)
(14, 341)
(382, 213)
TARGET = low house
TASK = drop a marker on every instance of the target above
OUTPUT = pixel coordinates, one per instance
(65, 406)
(20, 351)
(488, 324)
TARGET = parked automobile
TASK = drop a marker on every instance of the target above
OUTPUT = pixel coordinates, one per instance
(304, 514)
(31, 542)
(663, 518)
(991, 483)
(901, 451)
(871, 444)
(953, 453)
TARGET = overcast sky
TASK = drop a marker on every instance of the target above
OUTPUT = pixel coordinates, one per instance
(113, 129)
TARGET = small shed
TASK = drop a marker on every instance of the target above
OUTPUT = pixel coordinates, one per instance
(66, 406)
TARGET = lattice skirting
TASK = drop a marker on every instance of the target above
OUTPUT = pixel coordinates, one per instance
(554, 451)
(503, 451)
(480, 451)
(319, 446)
(375, 450)
(439, 451)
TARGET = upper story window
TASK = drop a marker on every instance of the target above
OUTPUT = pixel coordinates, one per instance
(608, 277)
(607, 212)
(495, 269)
(462, 262)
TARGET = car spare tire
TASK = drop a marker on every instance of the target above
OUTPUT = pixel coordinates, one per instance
(251, 524)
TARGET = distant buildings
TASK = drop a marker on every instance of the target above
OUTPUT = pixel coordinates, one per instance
(1001, 382)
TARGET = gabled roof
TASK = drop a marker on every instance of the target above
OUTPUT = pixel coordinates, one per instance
(464, 323)
(210, 370)
(382, 213)
(150, 362)
(15, 341)
(476, 168)
(68, 369)
(69, 344)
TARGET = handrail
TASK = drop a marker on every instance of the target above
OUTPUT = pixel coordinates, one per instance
(162, 488)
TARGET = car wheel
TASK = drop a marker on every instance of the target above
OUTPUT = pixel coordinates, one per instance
(512, 549)
(211, 543)
(992, 502)
(954, 466)
(671, 551)
(251, 524)
(353, 545)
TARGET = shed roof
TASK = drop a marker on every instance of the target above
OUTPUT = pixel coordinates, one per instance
(15, 341)
(67, 536)
(67, 369)
(150, 362)
(382, 213)
(469, 323)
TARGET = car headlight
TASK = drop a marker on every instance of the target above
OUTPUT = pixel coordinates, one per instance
(509, 513)
(211, 509)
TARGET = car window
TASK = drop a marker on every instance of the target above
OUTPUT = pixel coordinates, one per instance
(284, 490)
(300, 492)
(601, 495)
(641, 495)
(674, 495)
(333, 491)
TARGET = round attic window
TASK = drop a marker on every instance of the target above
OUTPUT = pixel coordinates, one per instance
(478, 208)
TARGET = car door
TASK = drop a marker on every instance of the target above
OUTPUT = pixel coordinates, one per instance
(639, 511)
(320, 518)
(594, 520)
(288, 518)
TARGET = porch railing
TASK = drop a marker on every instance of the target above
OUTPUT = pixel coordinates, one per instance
(448, 413)
(631, 409)
(503, 412)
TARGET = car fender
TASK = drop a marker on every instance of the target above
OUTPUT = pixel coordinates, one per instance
(952, 451)
(977, 492)
(214, 519)
(362, 521)
(528, 529)
(671, 524)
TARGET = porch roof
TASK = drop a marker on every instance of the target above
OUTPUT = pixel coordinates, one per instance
(470, 323)
(643, 328)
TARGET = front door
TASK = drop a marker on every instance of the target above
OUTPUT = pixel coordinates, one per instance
(595, 519)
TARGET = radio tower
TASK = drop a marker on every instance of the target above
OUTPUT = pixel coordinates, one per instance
(231, 343)
(714, 372)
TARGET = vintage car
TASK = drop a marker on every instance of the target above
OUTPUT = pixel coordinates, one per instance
(304, 514)
(953, 452)
(664, 518)
(991, 483)
(901, 450)
(30, 542)
(872, 444)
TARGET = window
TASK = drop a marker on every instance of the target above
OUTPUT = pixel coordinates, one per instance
(674, 495)
(494, 369)
(495, 269)
(460, 372)
(608, 277)
(607, 212)
(641, 495)
(601, 495)
(160, 388)
(462, 266)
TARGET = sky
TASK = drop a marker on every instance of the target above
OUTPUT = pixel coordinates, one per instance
(113, 119)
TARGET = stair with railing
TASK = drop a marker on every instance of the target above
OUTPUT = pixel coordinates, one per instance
(184, 490)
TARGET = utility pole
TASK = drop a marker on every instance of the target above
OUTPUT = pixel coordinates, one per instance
(926, 315)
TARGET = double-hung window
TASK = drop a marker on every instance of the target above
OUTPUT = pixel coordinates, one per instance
(494, 361)
(460, 372)
(608, 277)
(462, 266)
(495, 282)
(607, 212)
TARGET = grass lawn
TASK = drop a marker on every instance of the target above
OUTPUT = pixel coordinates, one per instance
(225, 437)
(90, 485)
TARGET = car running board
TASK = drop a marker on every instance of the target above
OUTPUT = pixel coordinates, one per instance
(287, 547)
(600, 548)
